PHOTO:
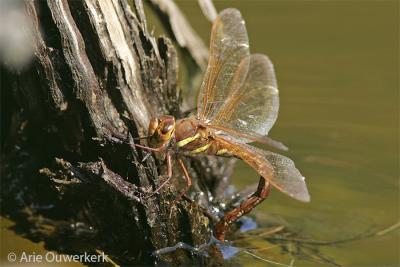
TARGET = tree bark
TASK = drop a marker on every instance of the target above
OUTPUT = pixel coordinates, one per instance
(70, 177)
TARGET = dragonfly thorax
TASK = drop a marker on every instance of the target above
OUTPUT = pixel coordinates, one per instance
(191, 136)
(185, 129)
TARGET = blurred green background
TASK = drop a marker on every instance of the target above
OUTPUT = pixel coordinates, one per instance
(337, 65)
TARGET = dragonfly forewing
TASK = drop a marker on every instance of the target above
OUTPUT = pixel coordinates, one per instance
(229, 44)
(252, 107)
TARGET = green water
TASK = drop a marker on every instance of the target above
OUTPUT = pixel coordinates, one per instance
(337, 65)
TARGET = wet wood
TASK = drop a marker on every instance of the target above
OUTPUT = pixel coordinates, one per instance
(70, 177)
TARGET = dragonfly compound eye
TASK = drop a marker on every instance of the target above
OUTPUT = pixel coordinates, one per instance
(152, 126)
(167, 128)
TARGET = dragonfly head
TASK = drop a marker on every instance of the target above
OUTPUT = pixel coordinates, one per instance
(162, 128)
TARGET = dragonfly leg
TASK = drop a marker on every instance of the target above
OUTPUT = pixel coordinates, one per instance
(169, 175)
(245, 207)
(146, 148)
(187, 178)
(156, 149)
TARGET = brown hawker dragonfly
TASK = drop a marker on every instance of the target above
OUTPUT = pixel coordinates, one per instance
(237, 104)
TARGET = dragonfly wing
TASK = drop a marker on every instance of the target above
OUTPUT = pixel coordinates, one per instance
(248, 137)
(288, 178)
(252, 108)
(229, 44)
(279, 170)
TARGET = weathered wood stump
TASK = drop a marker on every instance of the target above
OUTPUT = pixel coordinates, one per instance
(69, 176)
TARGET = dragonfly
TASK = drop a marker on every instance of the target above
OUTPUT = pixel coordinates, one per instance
(237, 104)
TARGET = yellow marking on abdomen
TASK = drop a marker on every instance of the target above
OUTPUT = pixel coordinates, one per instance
(187, 140)
(201, 149)
(222, 151)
